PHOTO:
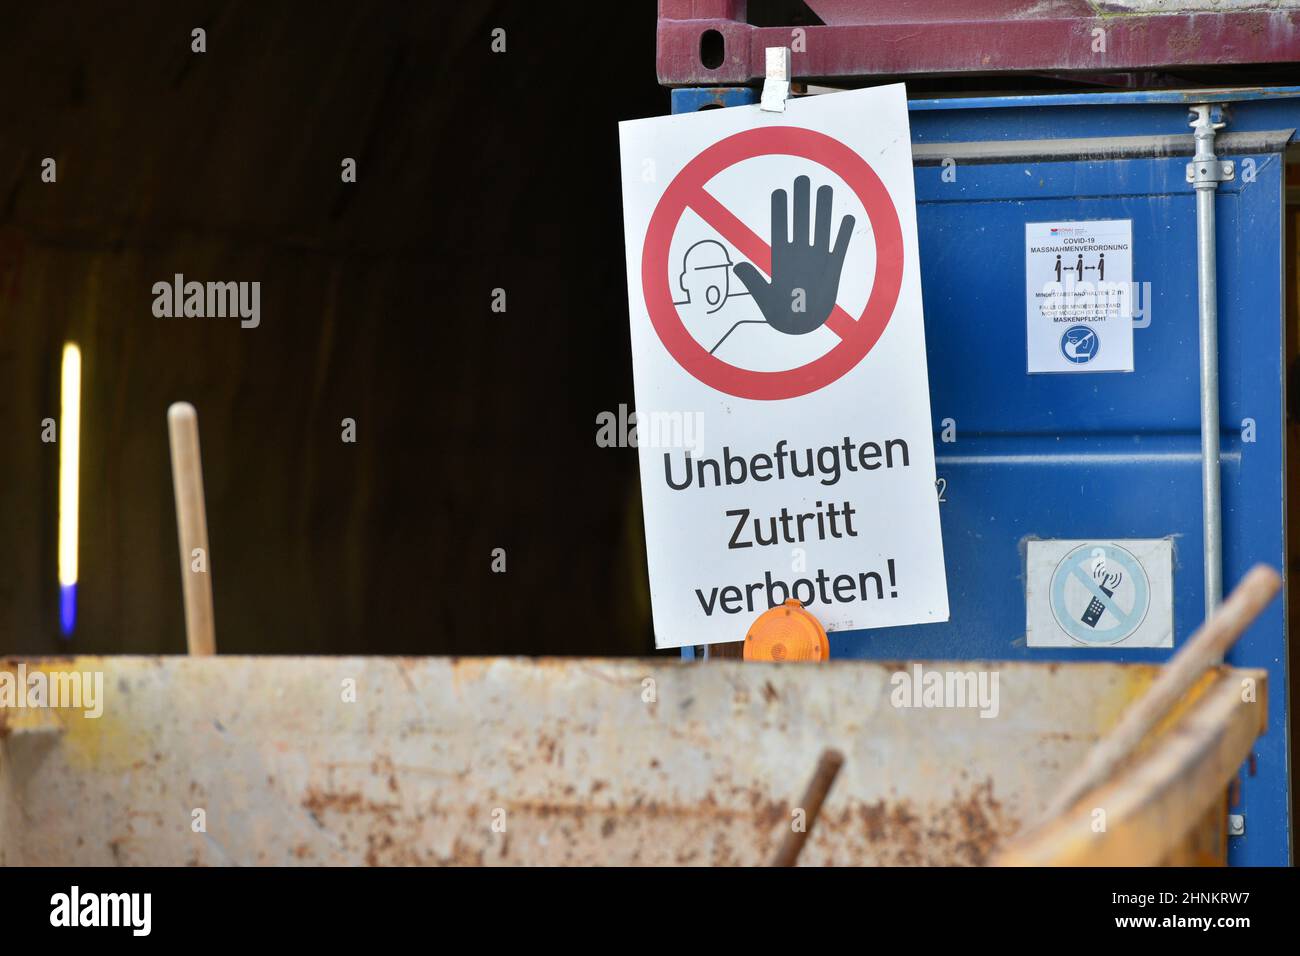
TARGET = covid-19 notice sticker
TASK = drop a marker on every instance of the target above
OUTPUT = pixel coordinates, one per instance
(1079, 296)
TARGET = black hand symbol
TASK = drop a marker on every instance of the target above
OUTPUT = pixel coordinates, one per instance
(805, 278)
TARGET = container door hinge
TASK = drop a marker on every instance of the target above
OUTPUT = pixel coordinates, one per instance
(1212, 171)
(1206, 170)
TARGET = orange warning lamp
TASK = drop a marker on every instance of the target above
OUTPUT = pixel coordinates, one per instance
(787, 633)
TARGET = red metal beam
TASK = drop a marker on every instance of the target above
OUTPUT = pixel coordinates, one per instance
(910, 37)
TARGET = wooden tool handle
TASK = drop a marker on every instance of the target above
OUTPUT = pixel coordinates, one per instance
(827, 769)
(192, 529)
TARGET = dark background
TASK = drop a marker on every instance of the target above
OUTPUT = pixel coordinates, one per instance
(476, 430)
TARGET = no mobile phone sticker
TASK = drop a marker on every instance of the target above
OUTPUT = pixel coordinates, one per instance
(1100, 593)
(774, 296)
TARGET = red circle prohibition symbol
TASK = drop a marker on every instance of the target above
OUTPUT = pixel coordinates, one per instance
(857, 335)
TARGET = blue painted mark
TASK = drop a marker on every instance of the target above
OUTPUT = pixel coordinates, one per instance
(694, 99)
(67, 609)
